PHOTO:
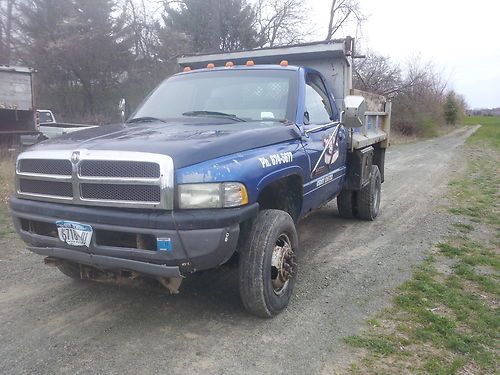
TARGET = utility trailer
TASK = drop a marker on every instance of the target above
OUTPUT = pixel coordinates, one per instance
(17, 109)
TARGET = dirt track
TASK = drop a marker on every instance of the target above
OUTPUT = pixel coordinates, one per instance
(51, 324)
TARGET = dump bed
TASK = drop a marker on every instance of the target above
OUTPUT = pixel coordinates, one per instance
(334, 60)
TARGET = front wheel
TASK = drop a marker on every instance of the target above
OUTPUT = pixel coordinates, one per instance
(267, 264)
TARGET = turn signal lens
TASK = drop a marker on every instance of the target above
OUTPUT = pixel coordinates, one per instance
(235, 194)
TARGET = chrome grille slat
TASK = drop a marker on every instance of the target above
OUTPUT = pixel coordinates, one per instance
(45, 166)
(119, 168)
(44, 187)
(97, 178)
(132, 193)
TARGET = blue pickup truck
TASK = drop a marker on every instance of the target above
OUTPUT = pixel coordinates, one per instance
(218, 163)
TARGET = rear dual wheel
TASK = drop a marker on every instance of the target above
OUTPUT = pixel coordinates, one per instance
(267, 264)
(365, 203)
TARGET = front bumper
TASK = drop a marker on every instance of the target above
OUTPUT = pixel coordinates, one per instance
(200, 239)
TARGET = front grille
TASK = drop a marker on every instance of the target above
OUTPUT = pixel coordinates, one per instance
(99, 178)
(45, 166)
(118, 168)
(133, 193)
(49, 188)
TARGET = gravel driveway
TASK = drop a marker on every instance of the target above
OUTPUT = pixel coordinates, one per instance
(52, 324)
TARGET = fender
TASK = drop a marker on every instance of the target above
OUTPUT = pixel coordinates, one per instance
(255, 168)
(279, 174)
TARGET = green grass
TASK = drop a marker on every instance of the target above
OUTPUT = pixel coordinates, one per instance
(379, 345)
(450, 320)
(477, 192)
(488, 134)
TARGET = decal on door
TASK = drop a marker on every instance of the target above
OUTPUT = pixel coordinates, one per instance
(331, 144)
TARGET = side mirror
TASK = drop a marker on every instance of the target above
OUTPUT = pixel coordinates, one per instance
(354, 111)
(123, 108)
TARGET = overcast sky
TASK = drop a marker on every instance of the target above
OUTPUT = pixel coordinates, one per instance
(460, 37)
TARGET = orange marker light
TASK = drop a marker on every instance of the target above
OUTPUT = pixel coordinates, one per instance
(250, 63)
(229, 64)
(284, 63)
(210, 66)
(187, 69)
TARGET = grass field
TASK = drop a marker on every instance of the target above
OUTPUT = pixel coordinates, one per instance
(445, 320)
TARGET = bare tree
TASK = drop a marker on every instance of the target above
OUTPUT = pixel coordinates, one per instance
(7, 8)
(143, 26)
(341, 12)
(281, 22)
(377, 74)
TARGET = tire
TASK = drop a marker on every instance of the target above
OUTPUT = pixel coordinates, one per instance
(70, 269)
(345, 204)
(263, 292)
(368, 198)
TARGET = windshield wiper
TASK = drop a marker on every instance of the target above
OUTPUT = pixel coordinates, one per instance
(213, 114)
(144, 119)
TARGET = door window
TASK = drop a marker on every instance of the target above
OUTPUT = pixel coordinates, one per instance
(317, 103)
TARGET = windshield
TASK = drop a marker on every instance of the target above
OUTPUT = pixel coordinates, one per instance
(242, 95)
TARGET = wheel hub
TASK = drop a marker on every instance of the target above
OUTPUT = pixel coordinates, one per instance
(282, 264)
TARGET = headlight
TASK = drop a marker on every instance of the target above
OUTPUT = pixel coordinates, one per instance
(212, 195)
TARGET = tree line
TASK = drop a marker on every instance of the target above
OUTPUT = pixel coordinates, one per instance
(89, 53)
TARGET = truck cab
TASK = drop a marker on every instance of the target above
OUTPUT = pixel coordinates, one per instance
(219, 162)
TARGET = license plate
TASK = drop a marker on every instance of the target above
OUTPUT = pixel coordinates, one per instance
(74, 234)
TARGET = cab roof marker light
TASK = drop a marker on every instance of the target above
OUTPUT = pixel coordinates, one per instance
(187, 69)
(250, 63)
(229, 64)
(210, 65)
(284, 63)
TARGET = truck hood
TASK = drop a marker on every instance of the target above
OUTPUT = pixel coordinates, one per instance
(188, 142)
